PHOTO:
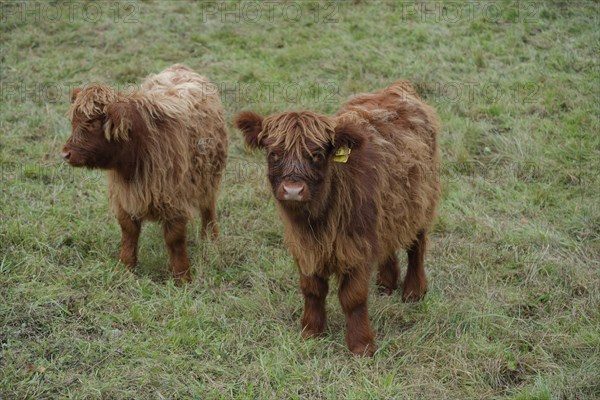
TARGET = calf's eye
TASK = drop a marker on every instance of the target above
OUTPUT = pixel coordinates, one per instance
(273, 157)
(318, 158)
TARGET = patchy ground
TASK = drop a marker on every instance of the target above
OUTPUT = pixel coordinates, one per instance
(513, 306)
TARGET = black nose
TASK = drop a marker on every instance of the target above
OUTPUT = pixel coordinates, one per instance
(65, 154)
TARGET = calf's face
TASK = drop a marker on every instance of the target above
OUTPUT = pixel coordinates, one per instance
(300, 149)
(296, 177)
(95, 137)
(87, 146)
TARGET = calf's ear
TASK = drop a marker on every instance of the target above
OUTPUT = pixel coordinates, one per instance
(74, 93)
(119, 119)
(348, 133)
(250, 123)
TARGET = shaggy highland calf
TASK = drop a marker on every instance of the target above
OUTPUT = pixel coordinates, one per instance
(351, 190)
(165, 149)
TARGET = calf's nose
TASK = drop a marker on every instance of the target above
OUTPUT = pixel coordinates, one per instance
(293, 191)
(65, 154)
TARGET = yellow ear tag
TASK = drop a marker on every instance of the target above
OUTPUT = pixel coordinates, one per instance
(342, 154)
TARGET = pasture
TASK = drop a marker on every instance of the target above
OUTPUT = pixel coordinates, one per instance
(513, 308)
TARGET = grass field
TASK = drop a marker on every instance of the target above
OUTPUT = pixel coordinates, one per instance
(513, 309)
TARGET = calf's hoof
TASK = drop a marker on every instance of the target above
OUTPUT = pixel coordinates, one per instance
(182, 278)
(129, 265)
(312, 333)
(363, 349)
(313, 328)
(362, 344)
(414, 291)
(385, 290)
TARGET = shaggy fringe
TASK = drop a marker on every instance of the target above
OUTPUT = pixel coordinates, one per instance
(92, 101)
(293, 130)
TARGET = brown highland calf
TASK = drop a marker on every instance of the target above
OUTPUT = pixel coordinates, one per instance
(165, 148)
(351, 190)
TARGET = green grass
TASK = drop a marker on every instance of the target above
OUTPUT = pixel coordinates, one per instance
(513, 307)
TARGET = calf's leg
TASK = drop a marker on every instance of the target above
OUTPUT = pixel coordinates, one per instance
(314, 289)
(209, 221)
(415, 282)
(175, 236)
(387, 276)
(130, 234)
(353, 294)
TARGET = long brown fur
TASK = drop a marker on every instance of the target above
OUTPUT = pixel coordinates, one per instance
(383, 199)
(176, 148)
(293, 131)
